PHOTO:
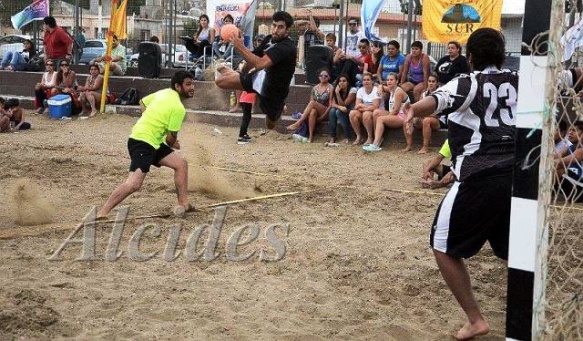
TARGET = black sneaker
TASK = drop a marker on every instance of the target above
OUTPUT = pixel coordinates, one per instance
(245, 139)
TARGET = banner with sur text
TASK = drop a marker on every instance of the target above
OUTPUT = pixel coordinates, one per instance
(242, 11)
(446, 20)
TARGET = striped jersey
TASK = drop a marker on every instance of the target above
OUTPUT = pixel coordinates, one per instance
(481, 113)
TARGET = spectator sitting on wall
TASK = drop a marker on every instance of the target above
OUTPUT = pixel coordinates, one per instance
(219, 45)
(18, 61)
(117, 65)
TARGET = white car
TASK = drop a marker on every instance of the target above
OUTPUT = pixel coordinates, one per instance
(179, 60)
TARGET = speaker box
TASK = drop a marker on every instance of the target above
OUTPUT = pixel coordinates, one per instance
(317, 57)
(149, 60)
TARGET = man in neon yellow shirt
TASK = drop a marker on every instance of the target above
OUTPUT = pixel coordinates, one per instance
(153, 140)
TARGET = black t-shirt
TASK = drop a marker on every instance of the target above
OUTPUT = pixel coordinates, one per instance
(283, 55)
(481, 112)
(447, 69)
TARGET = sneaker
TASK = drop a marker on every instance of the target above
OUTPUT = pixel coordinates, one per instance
(245, 139)
(372, 148)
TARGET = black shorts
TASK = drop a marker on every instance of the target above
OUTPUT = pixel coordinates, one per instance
(143, 155)
(271, 107)
(472, 213)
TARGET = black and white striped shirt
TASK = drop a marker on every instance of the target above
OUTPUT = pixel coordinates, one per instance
(481, 110)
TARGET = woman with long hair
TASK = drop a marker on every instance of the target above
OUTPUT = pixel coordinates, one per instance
(319, 105)
(43, 89)
(203, 37)
(66, 79)
(91, 91)
(376, 51)
(17, 61)
(367, 101)
(392, 115)
(427, 124)
(343, 98)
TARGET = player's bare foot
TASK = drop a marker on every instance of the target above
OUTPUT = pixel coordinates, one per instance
(423, 150)
(368, 141)
(470, 331)
(181, 210)
(357, 141)
(93, 113)
(406, 149)
(292, 127)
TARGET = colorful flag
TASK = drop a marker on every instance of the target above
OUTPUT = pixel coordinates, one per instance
(118, 21)
(368, 16)
(35, 11)
(446, 20)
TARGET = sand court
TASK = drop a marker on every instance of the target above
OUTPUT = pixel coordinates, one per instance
(357, 264)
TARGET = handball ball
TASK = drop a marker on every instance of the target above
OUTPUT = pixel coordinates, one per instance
(227, 30)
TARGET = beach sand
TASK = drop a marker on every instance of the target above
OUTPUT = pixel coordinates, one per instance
(357, 263)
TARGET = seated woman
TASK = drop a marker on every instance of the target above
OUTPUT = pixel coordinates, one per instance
(16, 114)
(415, 71)
(393, 61)
(202, 38)
(427, 124)
(376, 53)
(17, 61)
(393, 115)
(219, 45)
(91, 91)
(318, 107)
(343, 98)
(67, 84)
(42, 90)
(367, 101)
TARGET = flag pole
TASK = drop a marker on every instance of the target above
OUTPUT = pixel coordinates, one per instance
(110, 33)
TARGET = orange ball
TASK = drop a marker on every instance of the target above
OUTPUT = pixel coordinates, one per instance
(227, 30)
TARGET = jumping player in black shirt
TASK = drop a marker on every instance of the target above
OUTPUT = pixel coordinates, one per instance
(481, 109)
(268, 70)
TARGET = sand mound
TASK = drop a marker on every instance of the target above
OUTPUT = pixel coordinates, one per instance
(28, 207)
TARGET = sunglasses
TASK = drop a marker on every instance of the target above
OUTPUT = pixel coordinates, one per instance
(64, 64)
(324, 76)
(51, 64)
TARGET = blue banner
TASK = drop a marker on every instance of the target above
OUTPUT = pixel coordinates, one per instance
(35, 11)
(368, 16)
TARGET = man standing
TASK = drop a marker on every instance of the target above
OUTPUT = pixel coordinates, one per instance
(118, 59)
(58, 44)
(153, 140)
(481, 109)
(353, 37)
(268, 71)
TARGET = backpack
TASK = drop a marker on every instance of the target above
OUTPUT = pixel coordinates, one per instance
(34, 64)
(129, 97)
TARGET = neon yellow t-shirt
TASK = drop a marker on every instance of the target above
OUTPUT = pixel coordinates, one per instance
(445, 151)
(164, 113)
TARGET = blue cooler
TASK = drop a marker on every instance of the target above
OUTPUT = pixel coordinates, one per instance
(59, 106)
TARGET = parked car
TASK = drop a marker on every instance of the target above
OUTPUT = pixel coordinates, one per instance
(94, 48)
(13, 42)
(179, 60)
